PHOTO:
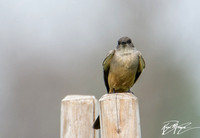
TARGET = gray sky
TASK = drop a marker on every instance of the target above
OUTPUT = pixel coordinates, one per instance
(53, 48)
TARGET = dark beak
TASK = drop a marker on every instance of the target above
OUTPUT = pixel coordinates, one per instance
(123, 44)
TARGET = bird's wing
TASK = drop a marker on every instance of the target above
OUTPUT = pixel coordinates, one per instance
(106, 67)
(141, 66)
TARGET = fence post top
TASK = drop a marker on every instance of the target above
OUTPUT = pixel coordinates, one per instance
(119, 96)
(78, 97)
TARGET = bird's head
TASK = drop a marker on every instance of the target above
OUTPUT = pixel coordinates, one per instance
(125, 43)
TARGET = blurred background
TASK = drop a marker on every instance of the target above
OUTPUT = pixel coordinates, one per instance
(52, 48)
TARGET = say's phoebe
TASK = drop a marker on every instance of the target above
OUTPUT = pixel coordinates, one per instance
(121, 68)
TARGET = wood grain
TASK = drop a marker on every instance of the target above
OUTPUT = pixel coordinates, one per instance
(77, 116)
(119, 116)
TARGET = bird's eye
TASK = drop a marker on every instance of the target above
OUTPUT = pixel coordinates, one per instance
(119, 43)
(129, 41)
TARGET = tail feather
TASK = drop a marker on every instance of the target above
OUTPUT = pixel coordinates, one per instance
(96, 124)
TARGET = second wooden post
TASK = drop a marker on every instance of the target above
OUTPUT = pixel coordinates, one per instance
(119, 116)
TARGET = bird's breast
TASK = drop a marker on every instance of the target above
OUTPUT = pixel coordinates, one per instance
(122, 72)
(124, 61)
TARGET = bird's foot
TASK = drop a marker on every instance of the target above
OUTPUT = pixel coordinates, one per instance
(130, 92)
(114, 90)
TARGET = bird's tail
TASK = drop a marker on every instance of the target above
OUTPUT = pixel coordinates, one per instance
(96, 124)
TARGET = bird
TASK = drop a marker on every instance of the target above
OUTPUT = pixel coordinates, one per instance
(121, 69)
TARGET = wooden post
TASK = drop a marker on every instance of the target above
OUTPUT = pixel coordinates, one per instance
(77, 116)
(119, 116)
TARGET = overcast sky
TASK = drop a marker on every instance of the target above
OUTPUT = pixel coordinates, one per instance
(53, 48)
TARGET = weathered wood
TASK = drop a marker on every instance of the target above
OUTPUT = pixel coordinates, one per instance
(77, 116)
(119, 116)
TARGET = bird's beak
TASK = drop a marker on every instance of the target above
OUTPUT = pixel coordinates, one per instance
(123, 45)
